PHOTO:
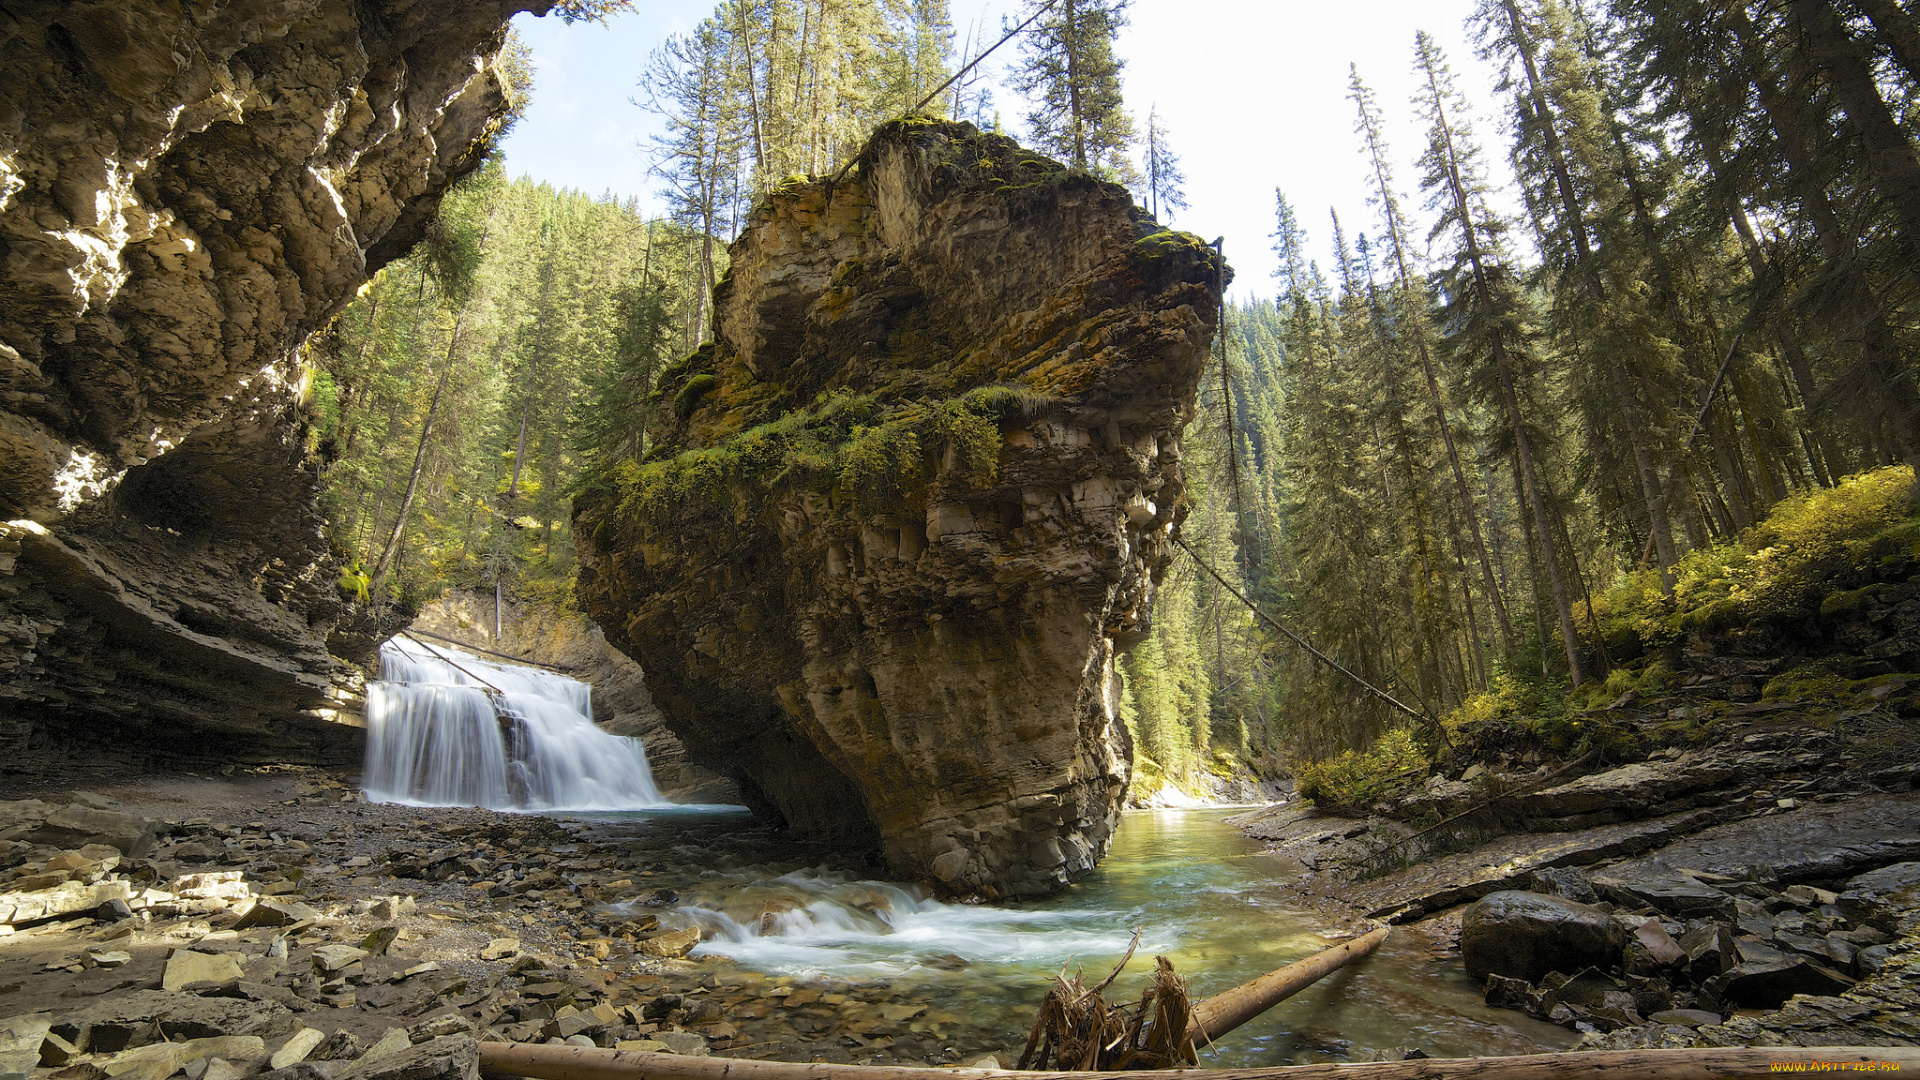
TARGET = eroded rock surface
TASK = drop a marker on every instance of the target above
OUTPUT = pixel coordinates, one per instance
(186, 192)
(904, 513)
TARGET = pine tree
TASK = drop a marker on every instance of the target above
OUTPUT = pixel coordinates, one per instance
(1165, 181)
(1486, 313)
(1070, 72)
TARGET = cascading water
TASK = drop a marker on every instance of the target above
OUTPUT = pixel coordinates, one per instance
(438, 736)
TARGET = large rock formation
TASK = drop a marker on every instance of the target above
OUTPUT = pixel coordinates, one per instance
(905, 511)
(186, 192)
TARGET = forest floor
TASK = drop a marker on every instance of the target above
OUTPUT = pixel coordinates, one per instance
(371, 924)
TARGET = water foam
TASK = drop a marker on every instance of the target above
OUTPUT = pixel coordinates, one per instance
(437, 736)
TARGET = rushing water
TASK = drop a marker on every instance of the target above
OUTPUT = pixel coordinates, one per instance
(1202, 894)
(446, 728)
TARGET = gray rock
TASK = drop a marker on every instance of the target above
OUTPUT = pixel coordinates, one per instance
(1875, 897)
(1526, 935)
(452, 1057)
(75, 826)
(1566, 882)
(1666, 891)
(1688, 1017)
(140, 1016)
(1768, 983)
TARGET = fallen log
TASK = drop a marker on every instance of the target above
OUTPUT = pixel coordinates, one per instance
(1222, 1013)
(547, 1062)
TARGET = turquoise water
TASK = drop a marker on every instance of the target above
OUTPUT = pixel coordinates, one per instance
(1201, 894)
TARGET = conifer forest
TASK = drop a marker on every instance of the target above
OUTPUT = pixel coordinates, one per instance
(1456, 458)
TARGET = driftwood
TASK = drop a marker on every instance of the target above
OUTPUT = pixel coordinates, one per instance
(1077, 1030)
(547, 1062)
(1222, 1013)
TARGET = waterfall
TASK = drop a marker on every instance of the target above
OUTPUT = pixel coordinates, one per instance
(437, 737)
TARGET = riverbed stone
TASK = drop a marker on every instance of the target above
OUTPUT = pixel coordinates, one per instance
(1526, 935)
(186, 967)
(1874, 898)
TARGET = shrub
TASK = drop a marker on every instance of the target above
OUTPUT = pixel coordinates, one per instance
(1354, 779)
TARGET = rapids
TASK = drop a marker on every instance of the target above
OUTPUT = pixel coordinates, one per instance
(1204, 896)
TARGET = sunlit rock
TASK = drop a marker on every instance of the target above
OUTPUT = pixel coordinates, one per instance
(903, 514)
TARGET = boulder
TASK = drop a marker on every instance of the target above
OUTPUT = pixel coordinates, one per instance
(78, 825)
(909, 643)
(186, 967)
(1526, 935)
(1877, 897)
(20, 1039)
(1648, 884)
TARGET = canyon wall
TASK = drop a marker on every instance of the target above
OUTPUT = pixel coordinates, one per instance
(187, 191)
(901, 516)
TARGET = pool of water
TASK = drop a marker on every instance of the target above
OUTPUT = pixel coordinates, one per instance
(1200, 893)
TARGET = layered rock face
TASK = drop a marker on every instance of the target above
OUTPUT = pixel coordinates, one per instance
(904, 512)
(187, 192)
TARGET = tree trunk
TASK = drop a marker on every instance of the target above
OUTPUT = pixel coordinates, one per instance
(413, 479)
(1510, 397)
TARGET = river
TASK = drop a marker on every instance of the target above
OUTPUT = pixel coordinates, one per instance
(1203, 895)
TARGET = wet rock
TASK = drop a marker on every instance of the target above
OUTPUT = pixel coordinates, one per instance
(1526, 935)
(1506, 993)
(1565, 882)
(1664, 890)
(1875, 897)
(1767, 981)
(1813, 842)
(1711, 950)
(1658, 943)
(672, 944)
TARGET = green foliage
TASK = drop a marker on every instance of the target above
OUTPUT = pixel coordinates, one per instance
(688, 399)
(845, 445)
(1802, 558)
(1354, 779)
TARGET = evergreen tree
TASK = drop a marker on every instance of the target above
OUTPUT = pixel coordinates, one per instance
(1165, 181)
(1070, 72)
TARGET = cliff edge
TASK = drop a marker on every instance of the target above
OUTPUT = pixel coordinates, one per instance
(902, 514)
(187, 192)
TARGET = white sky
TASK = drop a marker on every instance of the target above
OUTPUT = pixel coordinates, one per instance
(1252, 94)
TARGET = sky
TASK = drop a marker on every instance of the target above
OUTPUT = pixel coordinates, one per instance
(1253, 95)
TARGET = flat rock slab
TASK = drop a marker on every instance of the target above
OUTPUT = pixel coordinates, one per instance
(1825, 840)
(1508, 863)
(20, 1039)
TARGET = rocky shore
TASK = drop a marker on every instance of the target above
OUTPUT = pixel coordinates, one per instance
(1754, 885)
(270, 923)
